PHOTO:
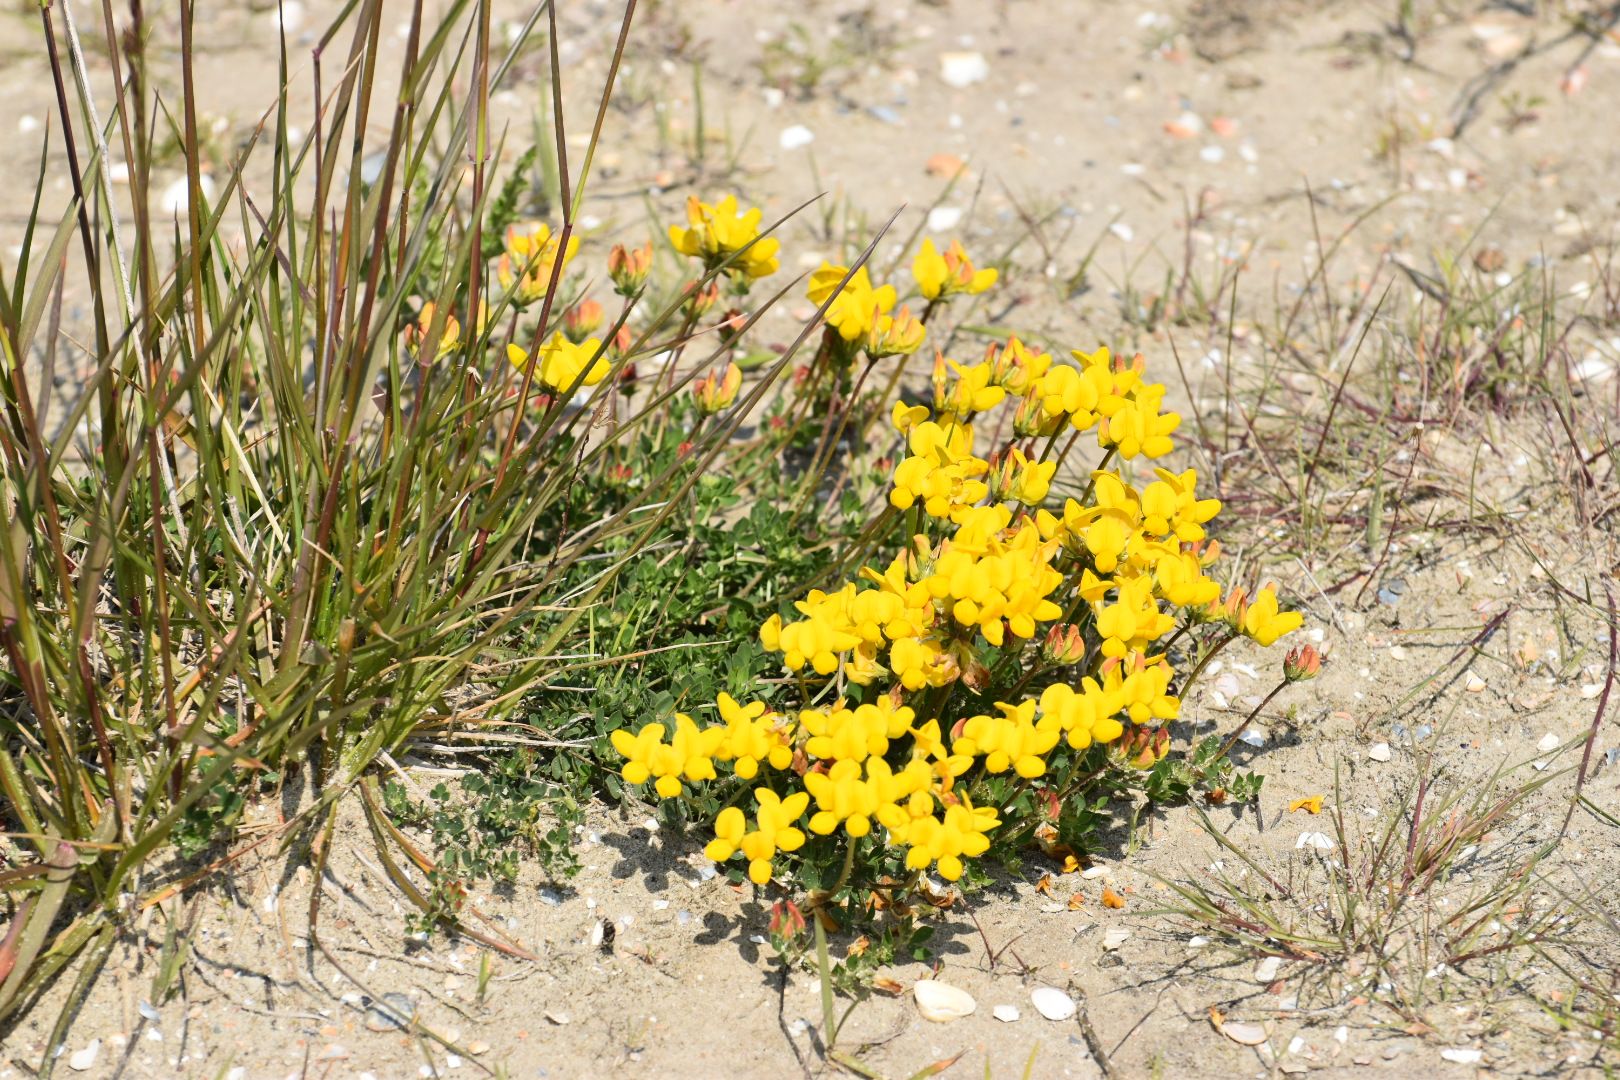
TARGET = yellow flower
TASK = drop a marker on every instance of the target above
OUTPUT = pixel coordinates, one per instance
(1016, 366)
(941, 276)
(844, 797)
(1089, 716)
(946, 842)
(895, 335)
(1142, 689)
(525, 267)
(687, 755)
(1171, 506)
(718, 389)
(717, 232)
(1263, 622)
(774, 830)
(843, 734)
(1139, 427)
(941, 472)
(1012, 739)
(905, 417)
(563, 364)
(1311, 804)
(752, 735)
(920, 662)
(1020, 480)
(1005, 589)
(972, 391)
(856, 309)
(1132, 621)
(449, 336)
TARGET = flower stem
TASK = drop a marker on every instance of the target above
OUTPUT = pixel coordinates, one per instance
(1232, 739)
(829, 1022)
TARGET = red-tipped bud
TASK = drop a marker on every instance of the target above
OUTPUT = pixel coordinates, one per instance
(1063, 645)
(1302, 663)
(629, 268)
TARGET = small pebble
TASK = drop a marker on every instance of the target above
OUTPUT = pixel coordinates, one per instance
(391, 1013)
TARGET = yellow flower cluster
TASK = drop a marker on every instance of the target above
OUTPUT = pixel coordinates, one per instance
(563, 364)
(528, 260)
(722, 231)
(1077, 601)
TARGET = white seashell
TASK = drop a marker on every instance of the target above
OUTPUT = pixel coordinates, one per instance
(1266, 970)
(1473, 684)
(176, 200)
(1591, 690)
(1319, 841)
(1007, 1014)
(1091, 873)
(961, 69)
(1548, 742)
(82, 1060)
(1113, 939)
(288, 18)
(796, 136)
(1380, 752)
(941, 1002)
(944, 218)
(1245, 1033)
(1462, 1055)
(1053, 1003)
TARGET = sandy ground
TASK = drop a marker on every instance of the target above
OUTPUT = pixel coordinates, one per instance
(1187, 140)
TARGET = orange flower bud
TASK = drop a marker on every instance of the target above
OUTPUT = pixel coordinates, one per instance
(1302, 663)
(718, 389)
(700, 300)
(629, 269)
(582, 320)
(1063, 645)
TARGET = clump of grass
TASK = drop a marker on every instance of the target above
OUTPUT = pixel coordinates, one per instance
(304, 512)
(1445, 887)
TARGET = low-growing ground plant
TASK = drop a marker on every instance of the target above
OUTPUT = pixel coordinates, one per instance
(986, 668)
